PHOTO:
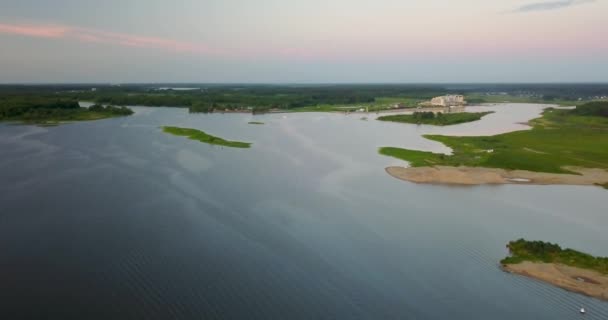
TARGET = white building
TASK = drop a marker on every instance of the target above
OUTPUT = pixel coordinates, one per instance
(448, 101)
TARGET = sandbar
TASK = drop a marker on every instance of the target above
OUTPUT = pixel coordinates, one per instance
(480, 176)
(587, 282)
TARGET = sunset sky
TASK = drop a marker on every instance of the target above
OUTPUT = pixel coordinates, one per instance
(297, 41)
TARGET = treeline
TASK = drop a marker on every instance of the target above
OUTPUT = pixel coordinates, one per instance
(39, 108)
(545, 92)
(596, 108)
(539, 251)
(256, 98)
(33, 106)
(439, 119)
(261, 98)
(124, 111)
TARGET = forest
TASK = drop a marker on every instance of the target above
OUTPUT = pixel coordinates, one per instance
(44, 109)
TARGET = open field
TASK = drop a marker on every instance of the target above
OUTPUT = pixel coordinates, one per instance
(201, 136)
(507, 98)
(379, 104)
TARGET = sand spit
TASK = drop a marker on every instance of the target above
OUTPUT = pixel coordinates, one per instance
(587, 282)
(479, 176)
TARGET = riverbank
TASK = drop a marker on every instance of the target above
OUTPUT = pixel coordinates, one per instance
(563, 147)
(587, 282)
(480, 176)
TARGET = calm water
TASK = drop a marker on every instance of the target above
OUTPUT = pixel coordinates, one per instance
(115, 219)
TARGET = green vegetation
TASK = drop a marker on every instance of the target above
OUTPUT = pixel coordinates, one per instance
(414, 157)
(378, 104)
(538, 251)
(205, 98)
(596, 108)
(256, 122)
(248, 98)
(119, 111)
(51, 110)
(438, 119)
(558, 139)
(504, 98)
(204, 137)
(259, 99)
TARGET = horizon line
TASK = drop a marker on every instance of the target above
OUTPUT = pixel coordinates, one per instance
(107, 83)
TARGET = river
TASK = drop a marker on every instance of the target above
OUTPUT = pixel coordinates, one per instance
(116, 219)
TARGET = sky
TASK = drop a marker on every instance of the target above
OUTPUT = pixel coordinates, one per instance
(303, 41)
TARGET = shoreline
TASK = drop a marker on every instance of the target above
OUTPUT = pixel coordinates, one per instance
(587, 282)
(470, 176)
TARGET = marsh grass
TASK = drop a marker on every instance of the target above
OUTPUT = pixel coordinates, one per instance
(201, 136)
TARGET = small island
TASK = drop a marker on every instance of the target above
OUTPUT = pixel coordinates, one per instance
(53, 111)
(563, 147)
(436, 119)
(204, 137)
(565, 268)
(256, 122)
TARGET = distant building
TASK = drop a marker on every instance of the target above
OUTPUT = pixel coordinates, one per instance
(448, 101)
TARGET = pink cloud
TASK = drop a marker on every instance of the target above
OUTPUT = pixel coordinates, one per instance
(470, 45)
(129, 40)
(34, 31)
(100, 36)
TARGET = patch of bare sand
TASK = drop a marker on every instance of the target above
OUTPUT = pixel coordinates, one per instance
(583, 281)
(478, 176)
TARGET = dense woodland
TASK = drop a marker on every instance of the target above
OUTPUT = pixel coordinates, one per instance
(34, 107)
(596, 108)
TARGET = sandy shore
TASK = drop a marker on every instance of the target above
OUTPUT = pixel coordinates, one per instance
(583, 281)
(478, 176)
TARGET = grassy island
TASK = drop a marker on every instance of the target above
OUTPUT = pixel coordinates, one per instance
(559, 139)
(256, 122)
(545, 252)
(41, 110)
(204, 137)
(437, 119)
(565, 268)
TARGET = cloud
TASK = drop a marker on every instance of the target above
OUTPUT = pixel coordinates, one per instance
(550, 5)
(34, 31)
(99, 36)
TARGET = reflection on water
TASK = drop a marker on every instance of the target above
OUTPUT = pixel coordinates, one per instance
(115, 219)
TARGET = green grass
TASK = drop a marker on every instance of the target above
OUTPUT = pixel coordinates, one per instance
(380, 104)
(558, 139)
(416, 158)
(538, 251)
(204, 137)
(256, 122)
(439, 119)
(327, 108)
(63, 117)
(480, 98)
